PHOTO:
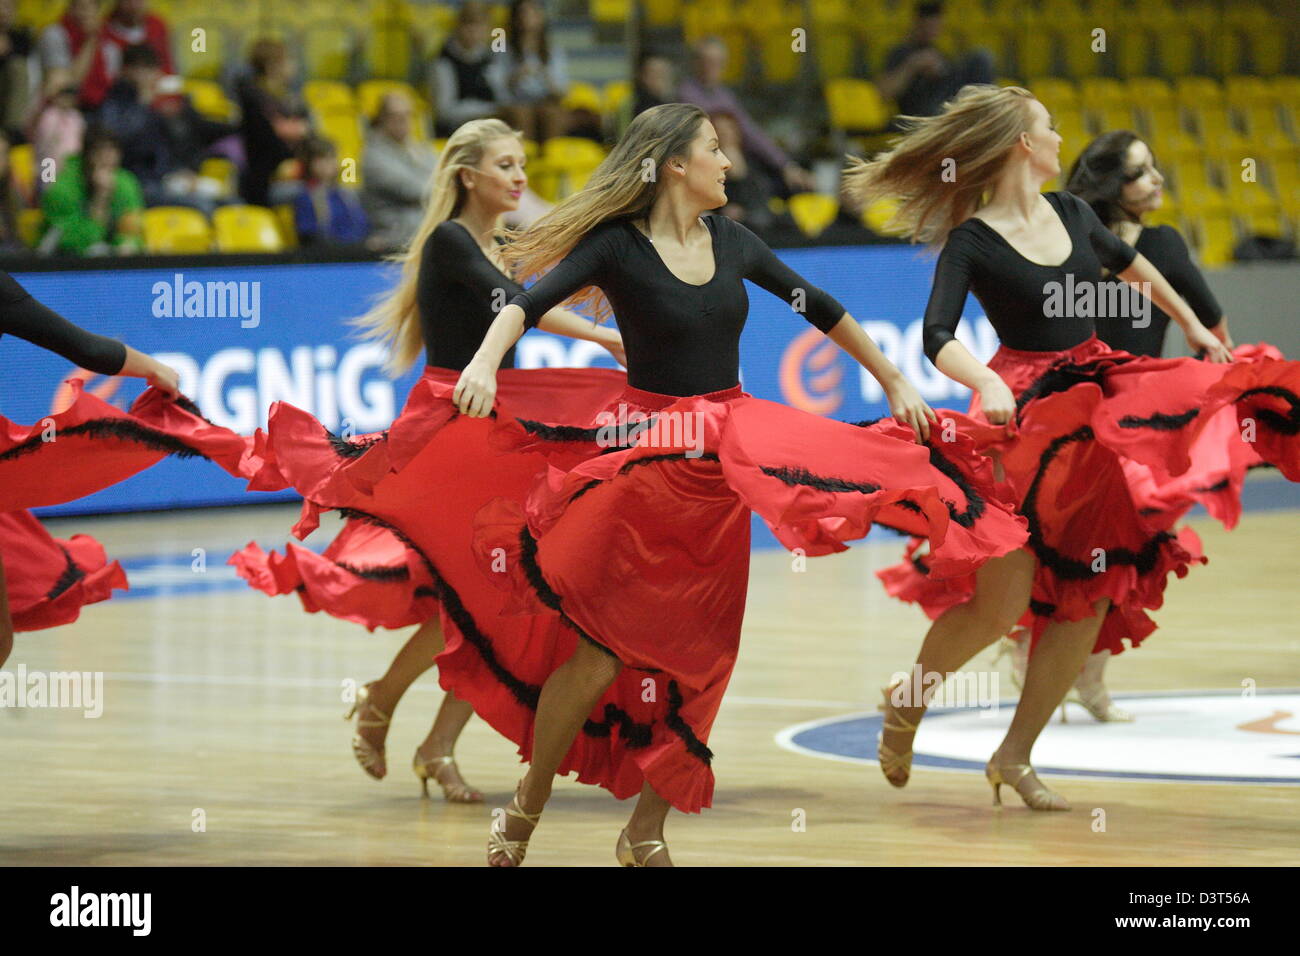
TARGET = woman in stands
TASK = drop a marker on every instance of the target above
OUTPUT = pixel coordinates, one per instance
(971, 179)
(452, 283)
(641, 544)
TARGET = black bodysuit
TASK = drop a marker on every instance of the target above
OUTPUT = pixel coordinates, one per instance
(1013, 290)
(1165, 247)
(23, 316)
(457, 298)
(681, 339)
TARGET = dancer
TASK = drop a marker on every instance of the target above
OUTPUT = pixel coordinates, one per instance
(48, 579)
(642, 547)
(1094, 565)
(1116, 174)
(451, 286)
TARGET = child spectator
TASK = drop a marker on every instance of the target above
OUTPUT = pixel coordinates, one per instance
(94, 204)
(58, 127)
(324, 212)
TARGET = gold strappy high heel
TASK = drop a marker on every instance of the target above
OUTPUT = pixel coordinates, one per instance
(427, 770)
(891, 762)
(626, 850)
(512, 850)
(1090, 692)
(1039, 798)
(369, 756)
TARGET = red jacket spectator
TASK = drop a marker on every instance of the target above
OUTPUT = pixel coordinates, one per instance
(130, 23)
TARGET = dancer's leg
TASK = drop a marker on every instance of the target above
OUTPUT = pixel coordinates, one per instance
(567, 698)
(647, 823)
(1002, 587)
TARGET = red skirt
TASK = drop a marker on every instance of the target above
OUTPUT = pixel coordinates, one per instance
(91, 445)
(48, 579)
(633, 535)
(1109, 451)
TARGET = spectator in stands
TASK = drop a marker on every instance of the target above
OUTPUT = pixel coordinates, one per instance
(919, 77)
(324, 212)
(62, 44)
(15, 80)
(58, 127)
(466, 85)
(275, 120)
(533, 75)
(130, 23)
(655, 82)
(94, 204)
(395, 173)
(10, 202)
(164, 137)
(747, 194)
(704, 88)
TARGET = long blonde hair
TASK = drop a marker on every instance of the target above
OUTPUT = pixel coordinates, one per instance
(972, 138)
(624, 186)
(395, 318)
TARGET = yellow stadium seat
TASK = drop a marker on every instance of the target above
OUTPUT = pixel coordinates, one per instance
(570, 160)
(288, 227)
(246, 229)
(812, 212)
(615, 95)
(781, 62)
(1203, 201)
(343, 131)
(582, 96)
(22, 166)
(31, 223)
(1263, 222)
(856, 105)
(328, 49)
(1149, 91)
(610, 11)
(1074, 34)
(1102, 91)
(1197, 91)
(1216, 238)
(1191, 175)
(1240, 90)
(662, 13)
(389, 49)
(1176, 48)
(223, 171)
(210, 99)
(1133, 50)
(328, 95)
(202, 45)
(1056, 94)
(176, 230)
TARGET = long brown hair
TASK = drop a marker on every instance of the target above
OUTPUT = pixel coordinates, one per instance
(624, 186)
(395, 318)
(972, 137)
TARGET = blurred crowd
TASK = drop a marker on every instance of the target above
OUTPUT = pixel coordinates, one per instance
(109, 129)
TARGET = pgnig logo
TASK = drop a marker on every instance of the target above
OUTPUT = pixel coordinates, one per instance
(235, 386)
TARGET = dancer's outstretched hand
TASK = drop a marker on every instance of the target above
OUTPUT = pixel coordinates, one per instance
(476, 390)
(164, 378)
(909, 408)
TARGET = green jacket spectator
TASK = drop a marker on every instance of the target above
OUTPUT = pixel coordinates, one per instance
(92, 220)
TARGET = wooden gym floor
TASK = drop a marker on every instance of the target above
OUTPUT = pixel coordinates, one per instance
(223, 701)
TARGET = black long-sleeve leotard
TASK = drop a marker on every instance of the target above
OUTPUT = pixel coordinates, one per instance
(1165, 247)
(457, 296)
(681, 339)
(23, 316)
(1015, 291)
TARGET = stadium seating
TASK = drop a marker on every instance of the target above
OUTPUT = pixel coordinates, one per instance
(246, 229)
(176, 230)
